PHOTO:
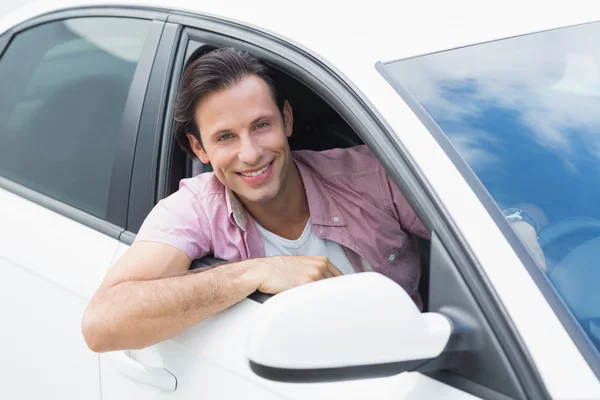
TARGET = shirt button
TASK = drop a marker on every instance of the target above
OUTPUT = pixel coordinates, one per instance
(320, 229)
(392, 257)
(336, 219)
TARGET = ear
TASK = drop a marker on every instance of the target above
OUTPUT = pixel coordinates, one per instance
(288, 118)
(197, 148)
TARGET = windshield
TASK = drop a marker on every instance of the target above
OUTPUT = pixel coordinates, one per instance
(524, 113)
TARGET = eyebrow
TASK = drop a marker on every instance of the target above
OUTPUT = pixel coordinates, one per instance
(266, 116)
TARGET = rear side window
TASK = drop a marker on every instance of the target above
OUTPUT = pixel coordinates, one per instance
(64, 87)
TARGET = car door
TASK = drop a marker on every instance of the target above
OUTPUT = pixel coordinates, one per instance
(209, 360)
(67, 81)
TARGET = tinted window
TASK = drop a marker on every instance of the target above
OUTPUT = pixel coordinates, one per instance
(64, 87)
(523, 113)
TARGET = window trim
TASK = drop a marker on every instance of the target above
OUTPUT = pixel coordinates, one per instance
(120, 183)
(361, 116)
(115, 220)
(565, 316)
(75, 214)
(4, 40)
(142, 192)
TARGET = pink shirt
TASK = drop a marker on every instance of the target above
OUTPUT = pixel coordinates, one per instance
(351, 199)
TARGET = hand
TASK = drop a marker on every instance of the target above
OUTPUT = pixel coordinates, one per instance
(276, 274)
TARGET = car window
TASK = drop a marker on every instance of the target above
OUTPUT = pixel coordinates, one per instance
(64, 87)
(523, 113)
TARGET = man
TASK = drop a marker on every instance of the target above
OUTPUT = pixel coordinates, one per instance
(280, 219)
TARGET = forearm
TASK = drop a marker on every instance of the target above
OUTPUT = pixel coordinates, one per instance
(137, 314)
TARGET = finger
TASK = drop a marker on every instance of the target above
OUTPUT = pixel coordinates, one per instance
(327, 273)
(327, 268)
(316, 275)
(334, 271)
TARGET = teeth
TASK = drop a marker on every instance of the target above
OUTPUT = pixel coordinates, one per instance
(256, 173)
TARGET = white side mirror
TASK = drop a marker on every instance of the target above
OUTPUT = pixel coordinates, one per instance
(341, 327)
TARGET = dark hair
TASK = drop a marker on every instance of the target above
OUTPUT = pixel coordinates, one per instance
(215, 71)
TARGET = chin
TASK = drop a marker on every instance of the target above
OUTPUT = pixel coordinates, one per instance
(259, 198)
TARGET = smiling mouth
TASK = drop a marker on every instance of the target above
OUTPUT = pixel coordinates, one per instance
(256, 173)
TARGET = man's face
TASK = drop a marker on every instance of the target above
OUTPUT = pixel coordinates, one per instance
(245, 139)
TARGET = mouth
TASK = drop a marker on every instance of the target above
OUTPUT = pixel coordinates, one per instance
(256, 173)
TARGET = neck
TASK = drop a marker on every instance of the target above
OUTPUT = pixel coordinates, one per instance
(285, 215)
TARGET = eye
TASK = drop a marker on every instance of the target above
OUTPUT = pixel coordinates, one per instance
(261, 125)
(224, 137)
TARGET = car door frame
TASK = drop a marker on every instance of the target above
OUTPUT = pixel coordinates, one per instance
(116, 217)
(152, 177)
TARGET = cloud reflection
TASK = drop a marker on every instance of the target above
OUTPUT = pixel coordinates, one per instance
(523, 113)
(552, 80)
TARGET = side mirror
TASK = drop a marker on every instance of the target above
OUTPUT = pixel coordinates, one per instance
(348, 327)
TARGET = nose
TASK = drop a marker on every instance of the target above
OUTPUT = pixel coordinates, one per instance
(250, 150)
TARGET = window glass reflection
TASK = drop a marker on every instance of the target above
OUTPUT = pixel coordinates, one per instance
(523, 113)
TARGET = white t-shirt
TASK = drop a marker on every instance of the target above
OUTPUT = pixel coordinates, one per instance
(308, 244)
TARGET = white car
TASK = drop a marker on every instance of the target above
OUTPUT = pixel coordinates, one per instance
(86, 150)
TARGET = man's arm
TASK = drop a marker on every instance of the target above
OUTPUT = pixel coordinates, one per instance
(149, 295)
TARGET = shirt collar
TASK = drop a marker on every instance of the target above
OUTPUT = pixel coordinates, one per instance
(322, 208)
(235, 209)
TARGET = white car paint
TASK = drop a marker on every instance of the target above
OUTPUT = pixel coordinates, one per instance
(49, 268)
(336, 323)
(380, 31)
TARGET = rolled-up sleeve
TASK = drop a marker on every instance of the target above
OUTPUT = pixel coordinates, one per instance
(179, 221)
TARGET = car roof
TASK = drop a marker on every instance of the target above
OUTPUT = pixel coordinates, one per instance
(376, 30)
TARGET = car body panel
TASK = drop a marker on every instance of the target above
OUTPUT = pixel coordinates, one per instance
(375, 28)
(49, 268)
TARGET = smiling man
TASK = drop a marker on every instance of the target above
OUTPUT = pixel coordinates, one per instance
(280, 218)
